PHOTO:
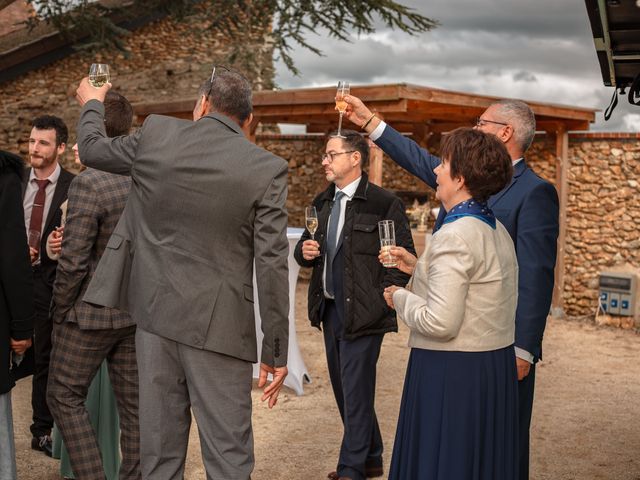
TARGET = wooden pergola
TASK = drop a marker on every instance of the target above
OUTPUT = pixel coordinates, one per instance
(415, 110)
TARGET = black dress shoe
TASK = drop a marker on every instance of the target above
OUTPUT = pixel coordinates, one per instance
(370, 472)
(43, 444)
(373, 472)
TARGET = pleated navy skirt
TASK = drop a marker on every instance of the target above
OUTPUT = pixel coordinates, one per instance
(458, 418)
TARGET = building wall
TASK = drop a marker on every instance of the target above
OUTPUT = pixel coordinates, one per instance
(166, 60)
(603, 211)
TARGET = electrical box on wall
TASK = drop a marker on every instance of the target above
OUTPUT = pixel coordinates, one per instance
(618, 293)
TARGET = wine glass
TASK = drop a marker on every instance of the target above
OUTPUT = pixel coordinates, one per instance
(341, 105)
(311, 218)
(387, 233)
(99, 74)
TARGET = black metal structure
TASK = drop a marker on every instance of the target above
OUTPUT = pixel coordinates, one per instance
(616, 33)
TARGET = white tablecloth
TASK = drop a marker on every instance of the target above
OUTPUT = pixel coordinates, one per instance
(297, 369)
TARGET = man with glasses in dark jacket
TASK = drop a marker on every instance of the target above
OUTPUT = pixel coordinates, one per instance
(345, 294)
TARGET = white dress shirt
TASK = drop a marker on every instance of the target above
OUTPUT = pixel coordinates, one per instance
(349, 191)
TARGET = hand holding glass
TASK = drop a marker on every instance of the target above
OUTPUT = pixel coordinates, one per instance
(341, 105)
(99, 74)
(387, 232)
(311, 217)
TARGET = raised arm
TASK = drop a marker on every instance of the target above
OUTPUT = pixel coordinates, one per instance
(402, 150)
(96, 150)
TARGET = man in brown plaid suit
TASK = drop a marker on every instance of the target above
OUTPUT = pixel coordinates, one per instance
(84, 335)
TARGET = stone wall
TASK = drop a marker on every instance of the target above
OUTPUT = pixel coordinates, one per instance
(306, 177)
(603, 211)
(166, 59)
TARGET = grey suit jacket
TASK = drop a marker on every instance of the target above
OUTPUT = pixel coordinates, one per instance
(95, 202)
(205, 202)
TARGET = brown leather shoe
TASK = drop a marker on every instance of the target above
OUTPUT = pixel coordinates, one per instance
(333, 476)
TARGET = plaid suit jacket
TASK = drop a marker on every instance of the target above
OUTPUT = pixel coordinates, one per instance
(96, 201)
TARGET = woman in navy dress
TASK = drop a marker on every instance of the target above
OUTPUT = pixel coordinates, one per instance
(458, 416)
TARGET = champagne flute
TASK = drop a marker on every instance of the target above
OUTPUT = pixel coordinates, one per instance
(341, 105)
(311, 218)
(387, 232)
(99, 74)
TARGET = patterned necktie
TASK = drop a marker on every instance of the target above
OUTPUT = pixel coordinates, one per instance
(37, 211)
(332, 241)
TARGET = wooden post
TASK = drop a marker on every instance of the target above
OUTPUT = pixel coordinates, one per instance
(253, 126)
(562, 185)
(375, 162)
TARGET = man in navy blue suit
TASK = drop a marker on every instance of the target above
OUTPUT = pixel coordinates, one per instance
(527, 207)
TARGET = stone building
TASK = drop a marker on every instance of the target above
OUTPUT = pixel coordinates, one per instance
(603, 207)
(167, 60)
(163, 59)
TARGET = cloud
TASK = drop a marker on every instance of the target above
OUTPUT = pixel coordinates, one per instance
(523, 76)
(538, 51)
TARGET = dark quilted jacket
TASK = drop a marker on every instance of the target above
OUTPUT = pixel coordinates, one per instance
(364, 278)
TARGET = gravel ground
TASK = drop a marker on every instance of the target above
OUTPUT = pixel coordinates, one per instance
(586, 422)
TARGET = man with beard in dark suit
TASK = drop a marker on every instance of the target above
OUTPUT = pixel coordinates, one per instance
(45, 190)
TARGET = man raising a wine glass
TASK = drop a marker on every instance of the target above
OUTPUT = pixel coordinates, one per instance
(345, 293)
(181, 262)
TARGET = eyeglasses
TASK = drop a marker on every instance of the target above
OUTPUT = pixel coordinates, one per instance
(481, 122)
(331, 155)
(213, 74)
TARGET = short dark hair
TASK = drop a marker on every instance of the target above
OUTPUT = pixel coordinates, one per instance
(51, 122)
(118, 114)
(229, 95)
(354, 141)
(480, 158)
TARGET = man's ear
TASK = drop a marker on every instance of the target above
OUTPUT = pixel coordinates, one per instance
(61, 148)
(201, 108)
(505, 133)
(246, 126)
(356, 159)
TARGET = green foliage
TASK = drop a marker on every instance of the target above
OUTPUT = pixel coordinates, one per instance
(94, 25)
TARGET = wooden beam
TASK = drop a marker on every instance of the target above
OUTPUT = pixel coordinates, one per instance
(562, 185)
(400, 103)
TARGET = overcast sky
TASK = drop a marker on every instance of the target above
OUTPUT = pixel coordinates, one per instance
(530, 49)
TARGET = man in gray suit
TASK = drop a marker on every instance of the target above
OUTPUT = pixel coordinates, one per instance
(205, 203)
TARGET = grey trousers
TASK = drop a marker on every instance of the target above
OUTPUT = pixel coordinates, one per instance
(7, 447)
(176, 379)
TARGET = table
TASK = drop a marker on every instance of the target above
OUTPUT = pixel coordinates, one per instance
(297, 369)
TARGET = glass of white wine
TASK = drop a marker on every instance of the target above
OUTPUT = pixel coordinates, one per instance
(311, 219)
(341, 105)
(387, 232)
(99, 74)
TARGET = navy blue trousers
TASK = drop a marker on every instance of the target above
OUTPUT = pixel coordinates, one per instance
(352, 370)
